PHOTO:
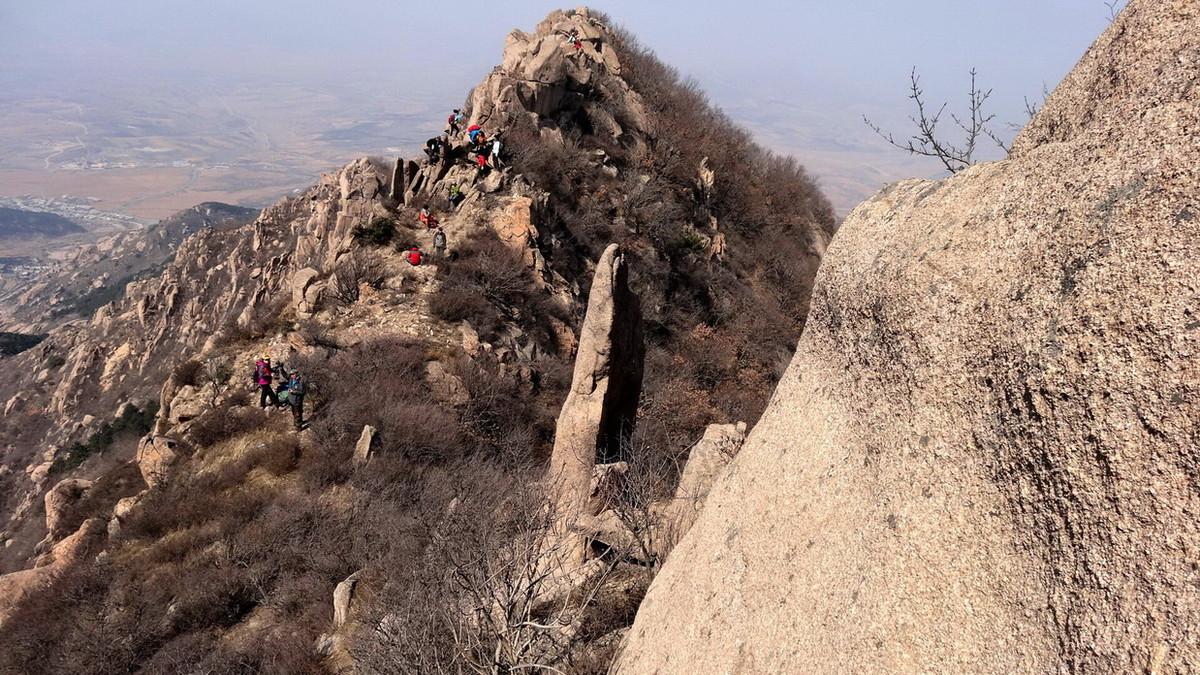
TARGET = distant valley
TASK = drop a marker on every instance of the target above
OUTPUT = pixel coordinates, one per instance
(22, 224)
(151, 148)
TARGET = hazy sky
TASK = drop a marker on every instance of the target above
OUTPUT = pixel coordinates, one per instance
(824, 63)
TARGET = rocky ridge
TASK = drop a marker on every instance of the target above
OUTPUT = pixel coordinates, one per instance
(302, 283)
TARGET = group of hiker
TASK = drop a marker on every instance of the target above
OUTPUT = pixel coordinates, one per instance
(482, 151)
(290, 391)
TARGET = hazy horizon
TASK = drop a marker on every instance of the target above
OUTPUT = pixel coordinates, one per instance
(799, 75)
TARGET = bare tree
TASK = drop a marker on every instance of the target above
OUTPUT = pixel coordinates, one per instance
(636, 496)
(1032, 108)
(927, 142)
(1114, 8)
(499, 593)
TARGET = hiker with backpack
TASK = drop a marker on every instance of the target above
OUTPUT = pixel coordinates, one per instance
(426, 218)
(455, 195)
(474, 132)
(281, 372)
(433, 149)
(439, 243)
(573, 38)
(262, 378)
(296, 389)
(455, 121)
(494, 152)
(481, 162)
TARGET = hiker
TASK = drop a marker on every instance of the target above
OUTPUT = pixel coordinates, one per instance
(427, 219)
(262, 377)
(439, 242)
(455, 196)
(573, 38)
(455, 119)
(413, 256)
(433, 148)
(296, 389)
(473, 132)
(494, 152)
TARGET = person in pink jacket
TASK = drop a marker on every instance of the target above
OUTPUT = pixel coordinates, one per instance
(262, 377)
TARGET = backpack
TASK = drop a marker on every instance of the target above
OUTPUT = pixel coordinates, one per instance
(414, 258)
(439, 240)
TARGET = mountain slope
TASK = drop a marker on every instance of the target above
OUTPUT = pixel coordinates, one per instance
(228, 533)
(983, 456)
(18, 223)
(96, 275)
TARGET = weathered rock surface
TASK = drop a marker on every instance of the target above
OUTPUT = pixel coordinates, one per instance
(983, 456)
(59, 499)
(155, 457)
(343, 596)
(601, 406)
(706, 461)
(446, 386)
(16, 587)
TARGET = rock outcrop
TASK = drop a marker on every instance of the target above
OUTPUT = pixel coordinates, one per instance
(343, 595)
(706, 462)
(601, 406)
(365, 446)
(983, 455)
(16, 587)
(155, 457)
(59, 499)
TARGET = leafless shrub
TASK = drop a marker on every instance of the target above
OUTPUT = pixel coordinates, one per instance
(488, 283)
(927, 142)
(216, 425)
(188, 373)
(1114, 9)
(650, 479)
(492, 582)
(358, 268)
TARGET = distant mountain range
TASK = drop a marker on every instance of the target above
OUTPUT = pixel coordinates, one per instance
(18, 223)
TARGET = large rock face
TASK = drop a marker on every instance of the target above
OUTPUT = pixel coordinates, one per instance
(983, 457)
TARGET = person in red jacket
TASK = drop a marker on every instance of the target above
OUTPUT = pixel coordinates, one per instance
(413, 256)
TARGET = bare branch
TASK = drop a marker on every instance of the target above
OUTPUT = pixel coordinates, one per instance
(1114, 8)
(927, 143)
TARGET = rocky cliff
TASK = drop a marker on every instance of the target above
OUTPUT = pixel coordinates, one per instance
(983, 456)
(434, 388)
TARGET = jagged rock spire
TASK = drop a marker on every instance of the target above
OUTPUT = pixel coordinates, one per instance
(601, 408)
